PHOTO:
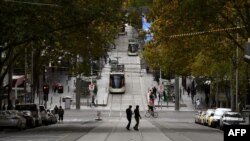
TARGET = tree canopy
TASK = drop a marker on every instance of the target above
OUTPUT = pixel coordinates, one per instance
(199, 38)
(195, 36)
(55, 30)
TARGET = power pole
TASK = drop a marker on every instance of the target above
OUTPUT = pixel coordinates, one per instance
(160, 76)
(11, 97)
(237, 74)
(231, 88)
(78, 101)
(177, 106)
(78, 85)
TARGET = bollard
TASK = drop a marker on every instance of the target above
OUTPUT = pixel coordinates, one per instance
(98, 115)
(96, 102)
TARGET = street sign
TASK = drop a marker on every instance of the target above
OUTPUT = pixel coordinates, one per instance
(91, 87)
(161, 88)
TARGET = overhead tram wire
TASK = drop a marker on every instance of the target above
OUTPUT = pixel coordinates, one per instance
(204, 32)
(32, 3)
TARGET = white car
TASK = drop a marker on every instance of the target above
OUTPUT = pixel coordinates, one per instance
(231, 118)
(217, 115)
(12, 119)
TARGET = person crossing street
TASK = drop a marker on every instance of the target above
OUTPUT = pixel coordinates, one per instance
(137, 117)
(129, 116)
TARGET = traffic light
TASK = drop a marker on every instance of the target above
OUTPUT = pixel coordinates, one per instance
(46, 89)
(60, 89)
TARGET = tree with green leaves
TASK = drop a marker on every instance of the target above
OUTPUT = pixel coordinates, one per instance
(199, 38)
(55, 29)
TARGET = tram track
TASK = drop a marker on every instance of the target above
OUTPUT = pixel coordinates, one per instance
(116, 100)
(113, 100)
(131, 95)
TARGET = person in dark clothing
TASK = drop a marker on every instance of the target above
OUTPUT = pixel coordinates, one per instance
(56, 110)
(152, 98)
(129, 116)
(188, 90)
(60, 113)
(137, 117)
(93, 100)
(9, 107)
(154, 92)
(4, 107)
(207, 101)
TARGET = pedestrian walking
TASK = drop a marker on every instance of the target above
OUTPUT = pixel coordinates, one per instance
(129, 116)
(93, 101)
(105, 59)
(197, 103)
(137, 117)
(154, 91)
(160, 96)
(109, 61)
(60, 113)
(188, 90)
(56, 110)
(207, 101)
(4, 107)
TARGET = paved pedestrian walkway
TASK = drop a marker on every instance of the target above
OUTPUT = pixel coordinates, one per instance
(117, 132)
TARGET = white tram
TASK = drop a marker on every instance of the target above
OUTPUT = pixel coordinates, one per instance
(133, 48)
(117, 82)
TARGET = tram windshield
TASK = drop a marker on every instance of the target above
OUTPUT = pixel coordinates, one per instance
(117, 80)
(133, 47)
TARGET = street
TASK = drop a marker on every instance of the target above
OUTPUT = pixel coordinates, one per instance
(81, 126)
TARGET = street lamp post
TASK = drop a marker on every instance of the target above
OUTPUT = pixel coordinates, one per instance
(160, 75)
(177, 106)
(1, 83)
(237, 73)
(78, 85)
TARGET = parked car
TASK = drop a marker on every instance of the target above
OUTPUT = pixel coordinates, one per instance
(210, 119)
(12, 119)
(215, 121)
(44, 115)
(208, 114)
(30, 120)
(202, 117)
(231, 118)
(197, 117)
(34, 108)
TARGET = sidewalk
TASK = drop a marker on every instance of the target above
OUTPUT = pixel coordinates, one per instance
(103, 87)
(147, 132)
(185, 100)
